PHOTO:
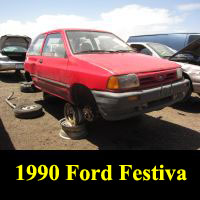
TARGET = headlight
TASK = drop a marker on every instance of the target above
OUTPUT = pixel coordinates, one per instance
(123, 82)
(179, 73)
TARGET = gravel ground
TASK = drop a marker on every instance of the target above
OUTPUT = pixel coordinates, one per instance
(174, 127)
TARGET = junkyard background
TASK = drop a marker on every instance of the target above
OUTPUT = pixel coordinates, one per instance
(175, 127)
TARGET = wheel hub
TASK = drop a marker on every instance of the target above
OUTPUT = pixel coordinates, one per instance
(29, 107)
(70, 114)
(88, 113)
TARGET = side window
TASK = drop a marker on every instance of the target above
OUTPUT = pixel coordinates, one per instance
(54, 46)
(137, 47)
(146, 51)
(36, 46)
(141, 49)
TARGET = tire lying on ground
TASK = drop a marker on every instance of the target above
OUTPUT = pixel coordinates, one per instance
(27, 87)
(28, 111)
(77, 132)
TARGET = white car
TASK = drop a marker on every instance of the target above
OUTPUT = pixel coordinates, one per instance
(188, 58)
(13, 50)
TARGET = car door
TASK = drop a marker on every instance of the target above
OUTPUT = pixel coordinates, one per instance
(53, 66)
(33, 57)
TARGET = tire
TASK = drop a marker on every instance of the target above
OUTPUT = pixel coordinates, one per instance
(27, 82)
(28, 111)
(83, 98)
(73, 132)
(27, 77)
(73, 114)
(28, 87)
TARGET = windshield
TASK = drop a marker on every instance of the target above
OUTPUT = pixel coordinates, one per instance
(13, 49)
(162, 50)
(96, 42)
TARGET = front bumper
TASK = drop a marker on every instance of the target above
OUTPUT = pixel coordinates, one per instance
(7, 66)
(118, 106)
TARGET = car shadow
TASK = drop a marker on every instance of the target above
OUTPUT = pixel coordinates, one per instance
(11, 77)
(5, 141)
(144, 133)
(140, 133)
(55, 107)
(191, 106)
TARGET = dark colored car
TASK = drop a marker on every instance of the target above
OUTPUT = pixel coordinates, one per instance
(13, 50)
(176, 41)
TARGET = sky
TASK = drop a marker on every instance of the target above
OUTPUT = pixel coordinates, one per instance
(122, 17)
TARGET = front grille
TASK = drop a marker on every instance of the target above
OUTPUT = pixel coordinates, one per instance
(157, 79)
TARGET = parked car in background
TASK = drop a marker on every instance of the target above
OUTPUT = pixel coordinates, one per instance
(13, 50)
(188, 58)
(98, 73)
(176, 41)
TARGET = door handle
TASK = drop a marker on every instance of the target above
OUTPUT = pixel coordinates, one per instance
(40, 61)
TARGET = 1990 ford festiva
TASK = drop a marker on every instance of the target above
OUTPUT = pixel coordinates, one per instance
(98, 73)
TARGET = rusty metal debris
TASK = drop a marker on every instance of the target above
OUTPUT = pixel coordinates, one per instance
(8, 101)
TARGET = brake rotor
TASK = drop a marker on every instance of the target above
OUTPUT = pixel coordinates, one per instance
(88, 113)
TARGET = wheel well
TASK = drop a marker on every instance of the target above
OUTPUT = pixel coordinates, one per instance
(81, 96)
(188, 77)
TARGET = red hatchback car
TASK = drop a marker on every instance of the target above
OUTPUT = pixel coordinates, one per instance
(98, 73)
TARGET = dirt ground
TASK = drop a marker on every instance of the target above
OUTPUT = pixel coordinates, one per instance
(174, 127)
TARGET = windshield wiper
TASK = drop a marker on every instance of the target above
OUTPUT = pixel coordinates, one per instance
(105, 51)
(94, 51)
(121, 51)
(166, 57)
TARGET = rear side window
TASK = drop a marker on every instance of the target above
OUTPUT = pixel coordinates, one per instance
(54, 46)
(146, 51)
(141, 49)
(36, 46)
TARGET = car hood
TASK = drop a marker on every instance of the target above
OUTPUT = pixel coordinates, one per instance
(124, 63)
(17, 40)
(193, 48)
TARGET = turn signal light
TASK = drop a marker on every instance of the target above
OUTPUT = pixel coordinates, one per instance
(113, 83)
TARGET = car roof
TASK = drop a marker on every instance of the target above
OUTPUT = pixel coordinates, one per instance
(76, 29)
(10, 35)
(164, 34)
